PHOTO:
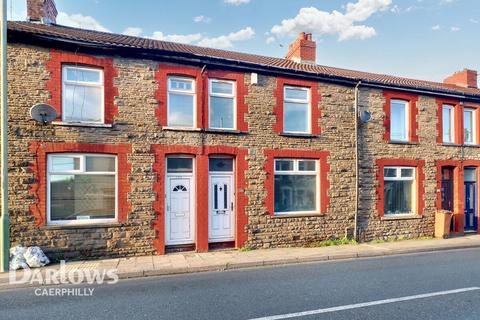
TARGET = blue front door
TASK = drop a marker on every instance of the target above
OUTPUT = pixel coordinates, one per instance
(471, 219)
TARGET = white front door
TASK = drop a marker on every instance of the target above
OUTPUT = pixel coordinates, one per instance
(221, 208)
(180, 223)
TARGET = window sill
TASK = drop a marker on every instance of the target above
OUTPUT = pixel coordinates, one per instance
(448, 144)
(82, 225)
(82, 124)
(183, 129)
(403, 142)
(401, 217)
(225, 131)
(299, 135)
(297, 215)
(472, 145)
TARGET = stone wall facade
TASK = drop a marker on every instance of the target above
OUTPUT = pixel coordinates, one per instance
(136, 124)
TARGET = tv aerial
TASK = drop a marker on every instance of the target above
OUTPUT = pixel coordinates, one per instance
(43, 113)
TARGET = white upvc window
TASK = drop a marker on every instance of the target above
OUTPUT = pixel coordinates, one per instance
(469, 126)
(222, 104)
(296, 110)
(82, 94)
(181, 104)
(399, 120)
(399, 190)
(296, 186)
(81, 188)
(448, 123)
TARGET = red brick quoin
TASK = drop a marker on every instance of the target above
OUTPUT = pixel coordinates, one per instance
(39, 169)
(201, 200)
(420, 178)
(315, 99)
(54, 85)
(412, 112)
(322, 156)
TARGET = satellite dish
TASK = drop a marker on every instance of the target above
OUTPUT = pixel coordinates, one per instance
(365, 116)
(43, 113)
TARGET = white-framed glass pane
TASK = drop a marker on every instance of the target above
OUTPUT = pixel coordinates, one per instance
(296, 117)
(83, 75)
(82, 103)
(180, 110)
(220, 164)
(398, 121)
(221, 87)
(179, 84)
(82, 197)
(398, 196)
(390, 172)
(447, 124)
(468, 126)
(284, 165)
(180, 165)
(407, 172)
(295, 193)
(63, 164)
(307, 165)
(221, 112)
(293, 93)
(99, 164)
(470, 175)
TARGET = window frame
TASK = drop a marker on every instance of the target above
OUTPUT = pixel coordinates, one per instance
(473, 113)
(80, 171)
(308, 101)
(192, 93)
(101, 85)
(451, 109)
(296, 171)
(406, 103)
(399, 177)
(233, 96)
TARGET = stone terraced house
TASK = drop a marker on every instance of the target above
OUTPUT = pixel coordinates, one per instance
(161, 146)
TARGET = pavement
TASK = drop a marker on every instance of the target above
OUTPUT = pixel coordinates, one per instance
(439, 285)
(181, 263)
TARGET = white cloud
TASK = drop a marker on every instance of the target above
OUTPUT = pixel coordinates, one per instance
(270, 40)
(203, 19)
(236, 2)
(182, 38)
(472, 20)
(455, 29)
(436, 27)
(335, 23)
(223, 42)
(78, 20)
(132, 31)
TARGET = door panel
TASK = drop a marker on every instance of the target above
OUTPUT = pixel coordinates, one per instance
(221, 214)
(179, 210)
(471, 219)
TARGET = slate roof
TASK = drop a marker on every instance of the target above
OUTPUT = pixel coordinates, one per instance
(117, 41)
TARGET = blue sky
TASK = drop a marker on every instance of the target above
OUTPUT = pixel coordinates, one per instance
(425, 39)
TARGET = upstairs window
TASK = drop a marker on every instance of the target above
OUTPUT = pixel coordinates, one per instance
(221, 104)
(399, 190)
(469, 126)
(399, 120)
(448, 123)
(181, 102)
(83, 94)
(296, 111)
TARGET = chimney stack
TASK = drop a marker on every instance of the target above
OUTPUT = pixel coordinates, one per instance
(42, 11)
(303, 50)
(466, 78)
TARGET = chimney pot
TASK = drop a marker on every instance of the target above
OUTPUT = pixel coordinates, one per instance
(43, 11)
(466, 78)
(303, 50)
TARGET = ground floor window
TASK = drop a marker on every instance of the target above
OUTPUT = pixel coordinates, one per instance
(296, 186)
(81, 188)
(399, 190)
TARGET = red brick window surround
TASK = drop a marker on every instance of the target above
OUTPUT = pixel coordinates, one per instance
(411, 99)
(39, 168)
(54, 85)
(315, 112)
(321, 156)
(419, 182)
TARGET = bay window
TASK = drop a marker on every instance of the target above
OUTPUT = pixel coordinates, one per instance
(399, 190)
(448, 123)
(82, 94)
(81, 188)
(296, 110)
(469, 126)
(399, 122)
(221, 104)
(181, 102)
(296, 186)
